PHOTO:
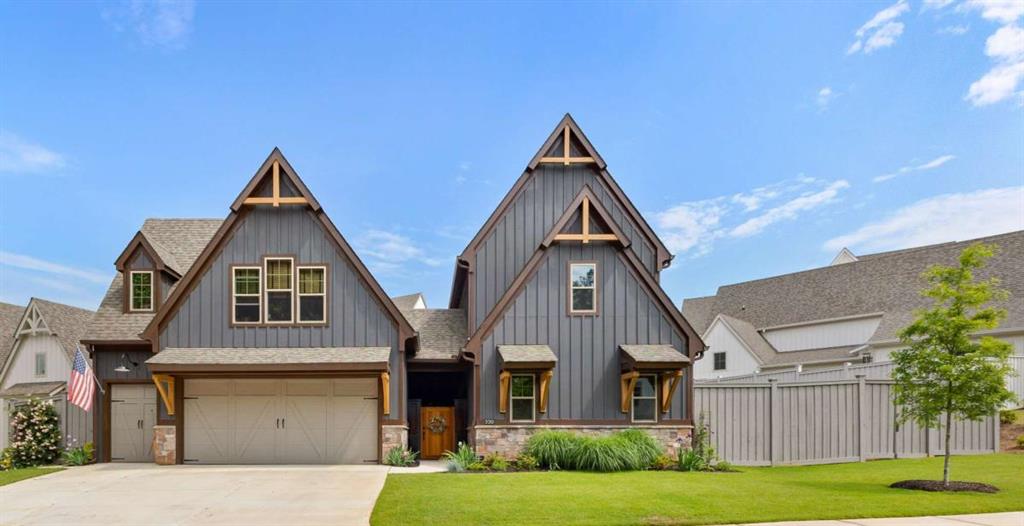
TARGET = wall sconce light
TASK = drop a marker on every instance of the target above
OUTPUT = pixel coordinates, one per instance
(123, 366)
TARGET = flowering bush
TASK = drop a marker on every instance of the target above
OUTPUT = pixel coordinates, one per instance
(35, 434)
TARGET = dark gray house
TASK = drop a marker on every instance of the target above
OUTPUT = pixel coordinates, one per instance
(262, 338)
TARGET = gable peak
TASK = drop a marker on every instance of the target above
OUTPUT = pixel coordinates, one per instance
(567, 145)
(275, 184)
(585, 220)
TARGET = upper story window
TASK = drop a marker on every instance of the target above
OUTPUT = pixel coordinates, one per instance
(140, 291)
(583, 288)
(719, 361)
(312, 294)
(40, 364)
(645, 399)
(246, 295)
(279, 288)
(522, 397)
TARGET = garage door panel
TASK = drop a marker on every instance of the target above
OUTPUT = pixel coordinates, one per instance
(207, 429)
(254, 429)
(307, 387)
(355, 387)
(354, 433)
(305, 430)
(255, 387)
(200, 387)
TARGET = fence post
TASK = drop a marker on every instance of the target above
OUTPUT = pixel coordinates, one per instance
(773, 421)
(995, 432)
(862, 398)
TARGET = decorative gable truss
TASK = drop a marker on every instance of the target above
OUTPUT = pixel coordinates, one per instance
(585, 220)
(567, 146)
(32, 323)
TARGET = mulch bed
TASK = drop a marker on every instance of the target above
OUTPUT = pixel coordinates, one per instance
(936, 485)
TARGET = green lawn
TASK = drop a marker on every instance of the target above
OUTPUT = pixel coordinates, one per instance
(10, 477)
(754, 495)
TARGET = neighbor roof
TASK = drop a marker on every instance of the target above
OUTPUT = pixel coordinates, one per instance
(889, 283)
(67, 323)
(768, 356)
(31, 388)
(408, 301)
(181, 240)
(10, 316)
(442, 332)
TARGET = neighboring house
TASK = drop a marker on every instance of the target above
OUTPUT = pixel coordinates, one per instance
(262, 338)
(42, 344)
(847, 312)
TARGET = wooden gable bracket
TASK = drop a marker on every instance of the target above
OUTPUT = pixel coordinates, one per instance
(385, 392)
(566, 159)
(276, 200)
(628, 381)
(585, 236)
(545, 383)
(165, 386)
(669, 383)
(504, 378)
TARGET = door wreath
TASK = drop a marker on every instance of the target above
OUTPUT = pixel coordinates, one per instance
(437, 424)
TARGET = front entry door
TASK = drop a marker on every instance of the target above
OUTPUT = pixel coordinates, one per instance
(437, 428)
(132, 417)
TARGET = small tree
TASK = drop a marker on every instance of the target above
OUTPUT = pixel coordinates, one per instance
(943, 371)
(35, 434)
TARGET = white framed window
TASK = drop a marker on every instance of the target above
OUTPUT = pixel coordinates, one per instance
(140, 290)
(279, 286)
(245, 295)
(583, 288)
(312, 294)
(645, 399)
(522, 396)
(40, 364)
(719, 358)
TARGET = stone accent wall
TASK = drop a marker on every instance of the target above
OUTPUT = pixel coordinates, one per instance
(510, 439)
(391, 436)
(164, 445)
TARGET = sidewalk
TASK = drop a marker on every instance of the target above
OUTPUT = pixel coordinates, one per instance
(1013, 518)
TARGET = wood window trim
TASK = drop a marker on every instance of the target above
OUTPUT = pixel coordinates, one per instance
(299, 294)
(569, 288)
(234, 296)
(669, 383)
(654, 399)
(533, 399)
(131, 290)
(267, 290)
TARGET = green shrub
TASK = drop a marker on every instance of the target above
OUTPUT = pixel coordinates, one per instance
(76, 456)
(701, 456)
(1007, 416)
(6, 459)
(476, 466)
(461, 458)
(525, 462)
(663, 462)
(552, 449)
(647, 449)
(400, 456)
(496, 462)
(35, 434)
(605, 454)
(1020, 441)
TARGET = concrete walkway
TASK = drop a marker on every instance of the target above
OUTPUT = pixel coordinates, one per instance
(1014, 518)
(115, 494)
(426, 466)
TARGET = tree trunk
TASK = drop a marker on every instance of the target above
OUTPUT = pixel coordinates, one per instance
(949, 424)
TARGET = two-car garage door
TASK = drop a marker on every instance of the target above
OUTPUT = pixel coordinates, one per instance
(281, 421)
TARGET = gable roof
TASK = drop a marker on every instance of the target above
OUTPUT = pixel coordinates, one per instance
(441, 333)
(271, 168)
(889, 283)
(10, 317)
(567, 122)
(69, 324)
(184, 239)
(408, 302)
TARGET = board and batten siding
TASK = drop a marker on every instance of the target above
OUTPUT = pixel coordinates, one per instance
(738, 360)
(517, 235)
(585, 385)
(105, 360)
(823, 335)
(23, 367)
(354, 316)
(823, 422)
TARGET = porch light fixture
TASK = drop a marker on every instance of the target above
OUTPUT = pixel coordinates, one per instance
(123, 366)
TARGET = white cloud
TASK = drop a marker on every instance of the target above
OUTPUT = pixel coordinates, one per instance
(390, 252)
(18, 155)
(881, 31)
(955, 30)
(825, 97)
(930, 165)
(935, 4)
(1002, 11)
(22, 261)
(939, 219)
(998, 84)
(693, 227)
(163, 23)
(789, 210)
(1007, 43)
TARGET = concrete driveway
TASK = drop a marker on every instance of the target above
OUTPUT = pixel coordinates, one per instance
(115, 494)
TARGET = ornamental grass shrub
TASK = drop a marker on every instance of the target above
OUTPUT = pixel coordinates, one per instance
(628, 450)
(460, 459)
(400, 456)
(35, 435)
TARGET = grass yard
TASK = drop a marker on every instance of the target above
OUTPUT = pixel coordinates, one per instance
(10, 477)
(667, 497)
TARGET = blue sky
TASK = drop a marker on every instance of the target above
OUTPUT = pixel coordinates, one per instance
(757, 138)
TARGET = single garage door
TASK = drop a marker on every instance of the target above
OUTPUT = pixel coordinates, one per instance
(268, 421)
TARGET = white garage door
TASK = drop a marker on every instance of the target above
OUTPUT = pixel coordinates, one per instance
(322, 421)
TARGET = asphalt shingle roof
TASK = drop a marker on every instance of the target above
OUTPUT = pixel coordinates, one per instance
(67, 323)
(442, 332)
(408, 301)
(10, 315)
(271, 356)
(526, 354)
(654, 354)
(178, 242)
(31, 388)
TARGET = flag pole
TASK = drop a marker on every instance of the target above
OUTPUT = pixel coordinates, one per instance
(78, 348)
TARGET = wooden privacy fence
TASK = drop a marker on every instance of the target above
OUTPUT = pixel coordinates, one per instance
(823, 422)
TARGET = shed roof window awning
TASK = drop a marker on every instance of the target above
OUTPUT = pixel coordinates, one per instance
(652, 358)
(276, 359)
(526, 357)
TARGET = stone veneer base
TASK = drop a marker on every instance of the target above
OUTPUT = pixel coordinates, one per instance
(164, 445)
(508, 440)
(392, 436)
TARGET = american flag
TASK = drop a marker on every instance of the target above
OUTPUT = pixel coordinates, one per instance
(82, 386)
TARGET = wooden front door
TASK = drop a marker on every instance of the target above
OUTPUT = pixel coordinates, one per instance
(437, 431)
